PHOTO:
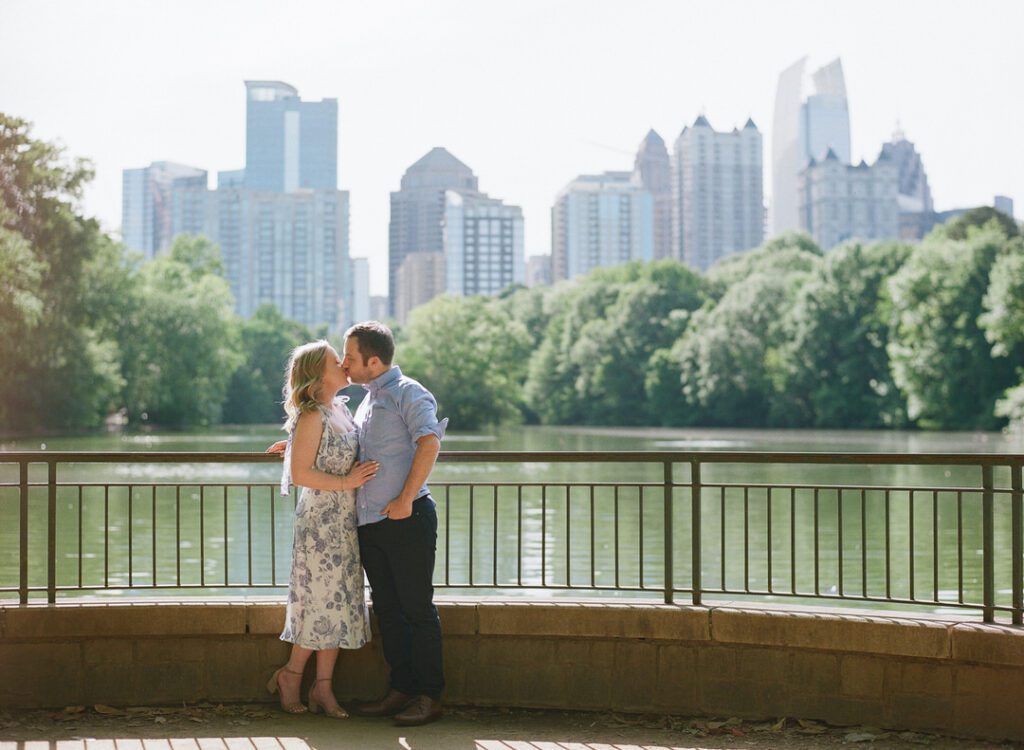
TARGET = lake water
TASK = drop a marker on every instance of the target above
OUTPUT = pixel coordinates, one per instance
(545, 535)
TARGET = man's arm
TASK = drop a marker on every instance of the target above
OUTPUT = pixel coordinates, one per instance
(427, 448)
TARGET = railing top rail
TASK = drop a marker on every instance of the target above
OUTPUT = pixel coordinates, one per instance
(733, 457)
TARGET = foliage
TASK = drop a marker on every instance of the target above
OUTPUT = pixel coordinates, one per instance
(838, 363)
(471, 357)
(20, 310)
(592, 364)
(179, 341)
(732, 357)
(1003, 322)
(1003, 319)
(58, 371)
(940, 357)
(266, 341)
(791, 249)
(987, 217)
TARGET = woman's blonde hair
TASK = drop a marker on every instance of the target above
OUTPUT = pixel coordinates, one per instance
(302, 380)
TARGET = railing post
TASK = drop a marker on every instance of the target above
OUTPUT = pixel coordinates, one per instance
(695, 529)
(51, 533)
(988, 545)
(1017, 545)
(23, 533)
(669, 585)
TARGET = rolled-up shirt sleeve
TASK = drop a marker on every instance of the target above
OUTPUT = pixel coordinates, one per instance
(419, 411)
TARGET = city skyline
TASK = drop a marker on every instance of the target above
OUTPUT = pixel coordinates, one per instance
(564, 107)
(283, 231)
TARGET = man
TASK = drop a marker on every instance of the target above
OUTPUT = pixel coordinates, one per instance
(398, 427)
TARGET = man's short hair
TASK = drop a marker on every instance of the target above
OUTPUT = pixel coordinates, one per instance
(373, 339)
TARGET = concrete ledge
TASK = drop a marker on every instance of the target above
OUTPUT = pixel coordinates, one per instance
(459, 618)
(654, 622)
(895, 672)
(265, 619)
(48, 621)
(989, 644)
(869, 634)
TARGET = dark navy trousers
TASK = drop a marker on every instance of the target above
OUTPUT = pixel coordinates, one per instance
(398, 557)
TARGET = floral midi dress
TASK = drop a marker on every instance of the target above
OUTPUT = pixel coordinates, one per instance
(326, 601)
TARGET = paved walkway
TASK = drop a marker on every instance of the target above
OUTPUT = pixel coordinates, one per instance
(258, 727)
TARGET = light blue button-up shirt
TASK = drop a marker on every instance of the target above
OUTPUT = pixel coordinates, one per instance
(396, 412)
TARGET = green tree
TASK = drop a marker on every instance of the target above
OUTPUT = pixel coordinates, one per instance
(591, 365)
(838, 364)
(614, 354)
(266, 341)
(179, 342)
(940, 357)
(20, 311)
(199, 254)
(787, 250)
(59, 372)
(1003, 319)
(529, 307)
(1003, 323)
(732, 359)
(983, 216)
(471, 356)
(552, 387)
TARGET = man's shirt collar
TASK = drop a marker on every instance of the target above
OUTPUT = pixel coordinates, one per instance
(383, 380)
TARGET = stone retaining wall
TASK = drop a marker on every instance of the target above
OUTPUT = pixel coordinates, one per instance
(928, 674)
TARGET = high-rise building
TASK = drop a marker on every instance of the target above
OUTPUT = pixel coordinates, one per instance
(281, 223)
(158, 201)
(600, 220)
(289, 144)
(654, 171)
(1004, 204)
(805, 127)
(914, 194)
(718, 193)
(360, 290)
(538, 270)
(417, 210)
(483, 244)
(841, 202)
(231, 178)
(379, 307)
(420, 278)
(917, 212)
(287, 249)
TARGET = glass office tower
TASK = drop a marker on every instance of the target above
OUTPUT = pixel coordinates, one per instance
(289, 144)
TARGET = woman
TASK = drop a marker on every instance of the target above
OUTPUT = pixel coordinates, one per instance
(326, 608)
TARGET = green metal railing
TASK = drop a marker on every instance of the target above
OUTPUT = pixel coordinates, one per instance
(693, 524)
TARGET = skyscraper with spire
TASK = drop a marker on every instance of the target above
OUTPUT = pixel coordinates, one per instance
(810, 118)
(914, 194)
(717, 193)
(653, 170)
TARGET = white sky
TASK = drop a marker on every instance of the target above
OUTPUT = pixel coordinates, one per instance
(528, 93)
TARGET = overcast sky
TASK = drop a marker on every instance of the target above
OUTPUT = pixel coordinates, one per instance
(528, 93)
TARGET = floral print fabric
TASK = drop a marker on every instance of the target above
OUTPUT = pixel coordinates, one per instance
(326, 602)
